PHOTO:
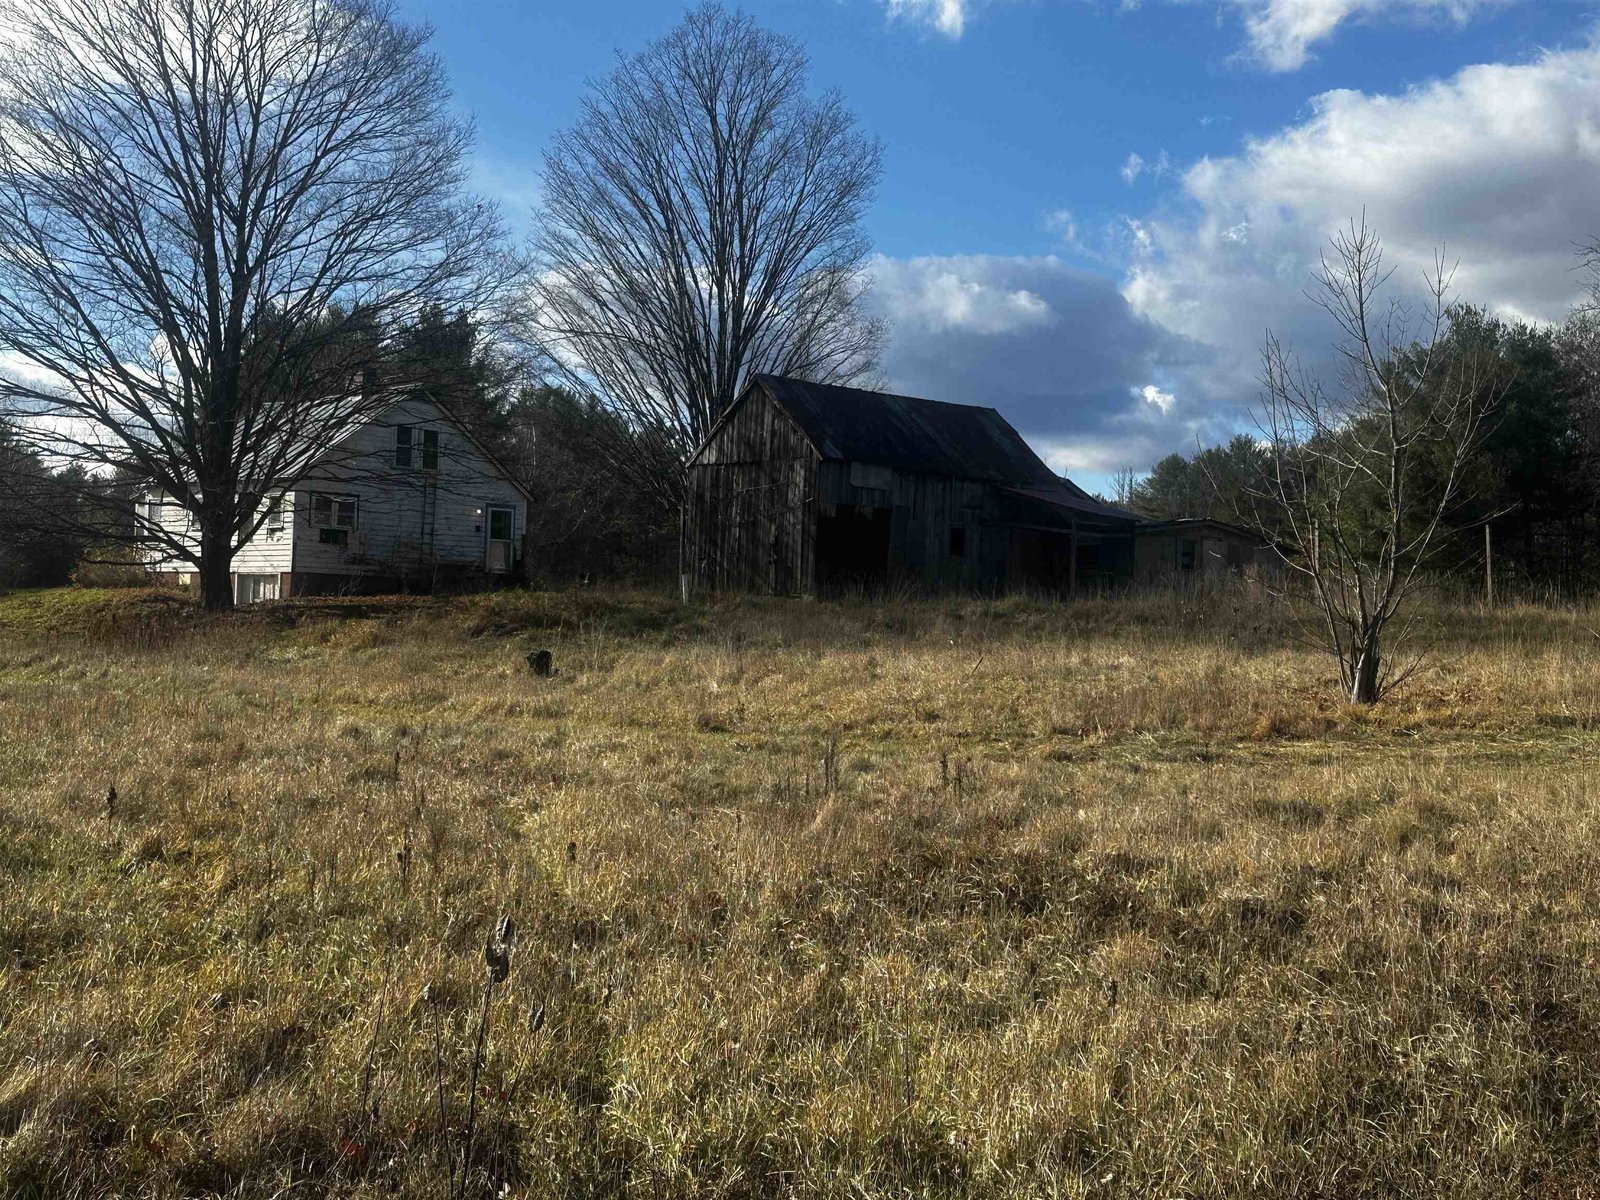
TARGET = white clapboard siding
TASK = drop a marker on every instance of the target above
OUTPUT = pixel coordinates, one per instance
(270, 551)
(407, 518)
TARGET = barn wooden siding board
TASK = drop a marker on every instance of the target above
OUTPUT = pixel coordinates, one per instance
(751, 511)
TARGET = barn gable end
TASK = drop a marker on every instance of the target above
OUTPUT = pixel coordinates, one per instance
(750, 512)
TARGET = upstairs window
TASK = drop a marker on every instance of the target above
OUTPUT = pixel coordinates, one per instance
(150, 510)
(958, 541)
(416, 447)
(274, 521)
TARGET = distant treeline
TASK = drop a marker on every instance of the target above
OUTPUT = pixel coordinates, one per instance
(1535, 479)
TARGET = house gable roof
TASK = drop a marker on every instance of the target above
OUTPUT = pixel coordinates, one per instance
(455, 423)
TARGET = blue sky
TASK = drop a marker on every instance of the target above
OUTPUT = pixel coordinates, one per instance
(1091, 210)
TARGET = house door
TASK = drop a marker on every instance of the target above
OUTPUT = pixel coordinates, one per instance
(500, 525)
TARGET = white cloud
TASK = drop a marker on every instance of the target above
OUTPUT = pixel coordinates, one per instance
(1279, 34)
(25, 373)
(1054, 347)
(945, 296)
(1155, 397)
(1282, 32)
(1499, 164)
(1064, 226)
(1136, 165)
(949, 17)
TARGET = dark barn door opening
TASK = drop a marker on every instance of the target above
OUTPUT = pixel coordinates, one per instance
(1041, 560)
(853, 548)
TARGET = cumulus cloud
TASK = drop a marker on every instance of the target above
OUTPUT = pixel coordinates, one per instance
(949, 17)
(1153, 395)
(1055, 348)
(1282, 32)
(1499, 165)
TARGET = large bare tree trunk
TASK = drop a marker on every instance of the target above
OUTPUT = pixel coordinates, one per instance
(1366, 673)
(216, 568)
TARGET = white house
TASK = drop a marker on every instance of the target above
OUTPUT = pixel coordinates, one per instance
(405, 499)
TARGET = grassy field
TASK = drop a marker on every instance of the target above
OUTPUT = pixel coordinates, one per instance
(937, 898)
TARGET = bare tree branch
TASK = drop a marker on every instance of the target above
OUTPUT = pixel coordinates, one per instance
(213, 214)
(1362, 478)
(702, 222)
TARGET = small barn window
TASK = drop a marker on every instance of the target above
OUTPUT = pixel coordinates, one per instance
(402, 445)
(1186, 553)
(430, 449)
(958, 541)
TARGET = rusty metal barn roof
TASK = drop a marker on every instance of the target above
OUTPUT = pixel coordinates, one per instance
(912, 434)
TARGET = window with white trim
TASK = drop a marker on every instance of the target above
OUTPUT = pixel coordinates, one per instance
(333, 516)
(274, 521)
(414, 446)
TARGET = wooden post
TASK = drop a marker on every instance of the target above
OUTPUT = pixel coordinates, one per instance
(683, 544)
(1072, 562)
(1488, 565)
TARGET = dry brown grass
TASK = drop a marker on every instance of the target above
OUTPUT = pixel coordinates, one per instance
(940, 898)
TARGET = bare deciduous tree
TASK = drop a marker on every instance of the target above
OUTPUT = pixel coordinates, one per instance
(701, 222)
(1124, 481)
(212, 214)
(1362, 475)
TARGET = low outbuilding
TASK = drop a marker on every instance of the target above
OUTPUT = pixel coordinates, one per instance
(1172, 551)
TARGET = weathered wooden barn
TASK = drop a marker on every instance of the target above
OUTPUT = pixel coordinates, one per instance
(803, 488)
